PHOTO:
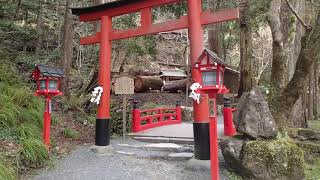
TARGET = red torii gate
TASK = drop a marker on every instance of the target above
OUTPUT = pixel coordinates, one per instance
(193, 21)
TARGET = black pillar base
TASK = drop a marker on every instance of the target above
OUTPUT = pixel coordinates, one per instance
(201, 141)
(103, 127)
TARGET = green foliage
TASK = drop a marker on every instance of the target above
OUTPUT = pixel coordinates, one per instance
(232, 176)
(21, 118)
(176, 10)
(55, 120)
(257, 13)
(6, 74)
(8, 134)
(28, 130)
(6, 172)
(313, 170)
(70, 133)
(126, 21)
(314, 124)
(116, 119)
(33, 152)
(20, 32)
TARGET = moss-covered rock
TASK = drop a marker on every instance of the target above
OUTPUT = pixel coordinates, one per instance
(276, 159)
(279, 159)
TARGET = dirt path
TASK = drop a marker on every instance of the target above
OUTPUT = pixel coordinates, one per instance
(125, 163)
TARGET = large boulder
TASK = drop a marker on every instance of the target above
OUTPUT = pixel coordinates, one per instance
(266, 160)
(253, 117)
(231, 151)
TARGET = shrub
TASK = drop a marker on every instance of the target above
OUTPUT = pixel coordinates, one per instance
(33, 152)
(28, 130)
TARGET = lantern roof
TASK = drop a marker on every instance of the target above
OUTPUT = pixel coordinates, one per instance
(213, 56)
(50, 71)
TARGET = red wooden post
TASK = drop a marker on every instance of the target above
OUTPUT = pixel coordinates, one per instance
(135, 117)
(229, 129)
(178, 111)
(47, 122)
(160, 115)
(214, 143)
(103, 124)
(214, 149)
(201, 111)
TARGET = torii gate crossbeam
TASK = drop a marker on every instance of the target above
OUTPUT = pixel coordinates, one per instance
(148, 28)
(193, 21)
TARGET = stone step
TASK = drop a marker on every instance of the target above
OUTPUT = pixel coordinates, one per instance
(184, 156)
(167, 147)
(188, 141)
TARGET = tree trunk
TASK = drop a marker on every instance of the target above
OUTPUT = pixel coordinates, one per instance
(310, 95)
(316, 91)
(174, 86)
(145, 83)
(245, 49)
(287, 33)
(67, 49)
(214, 39)
(279, 61)
(39, 30)
(283, 103)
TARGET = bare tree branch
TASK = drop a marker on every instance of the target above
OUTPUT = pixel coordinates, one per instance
(297, 15)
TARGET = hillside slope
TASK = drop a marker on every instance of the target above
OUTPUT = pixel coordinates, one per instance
(20, 123)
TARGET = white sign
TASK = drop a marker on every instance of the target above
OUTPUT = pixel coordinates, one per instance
(96, 95)
(194, 95)
(124, 85)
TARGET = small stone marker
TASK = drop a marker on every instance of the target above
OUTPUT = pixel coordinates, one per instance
(124, 85)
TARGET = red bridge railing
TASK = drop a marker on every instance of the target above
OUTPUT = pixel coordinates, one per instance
(146, 119)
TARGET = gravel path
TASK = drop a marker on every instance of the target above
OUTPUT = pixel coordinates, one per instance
(83, 164)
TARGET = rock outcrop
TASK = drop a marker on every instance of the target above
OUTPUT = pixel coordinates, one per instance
(256, 153)
(266, 160)
(253, 117)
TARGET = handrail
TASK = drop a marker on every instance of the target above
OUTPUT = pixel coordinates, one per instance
(160, 118)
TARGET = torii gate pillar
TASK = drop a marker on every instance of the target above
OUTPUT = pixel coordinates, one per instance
(103, 123)
(201, 111)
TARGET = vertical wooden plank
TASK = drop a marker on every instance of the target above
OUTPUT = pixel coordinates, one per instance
(124, 116)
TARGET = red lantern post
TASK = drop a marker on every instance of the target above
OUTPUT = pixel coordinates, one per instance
(211, 70)
(48, 82)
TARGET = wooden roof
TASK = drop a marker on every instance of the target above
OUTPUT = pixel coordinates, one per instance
(213, 56)
(50, 71)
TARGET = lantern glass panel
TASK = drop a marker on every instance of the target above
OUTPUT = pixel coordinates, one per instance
(209, 78)
(42, 84)
(53, 85)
